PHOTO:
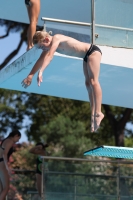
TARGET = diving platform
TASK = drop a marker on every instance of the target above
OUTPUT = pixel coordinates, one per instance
(111, 151)
(64, 76)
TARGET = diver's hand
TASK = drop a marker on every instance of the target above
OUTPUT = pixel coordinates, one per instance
(39, 78)
(26, 82)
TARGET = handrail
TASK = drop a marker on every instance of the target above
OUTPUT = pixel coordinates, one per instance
(86, 24)
(114, 27)
(93, 21)
(72, 173)
(118, 161)
(65, 21)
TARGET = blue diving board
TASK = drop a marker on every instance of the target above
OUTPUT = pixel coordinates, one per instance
(111, 151)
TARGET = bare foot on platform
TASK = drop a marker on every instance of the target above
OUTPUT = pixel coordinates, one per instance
(29, 47)
(98, 118)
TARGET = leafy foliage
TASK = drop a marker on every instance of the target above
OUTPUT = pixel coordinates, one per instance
(38, 114)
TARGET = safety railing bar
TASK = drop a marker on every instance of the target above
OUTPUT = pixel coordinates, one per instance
(81, 174)
(23, 170)
(86, 24)
(86, 160)
(88, 175)
(65, 21)
(82, 194)
(68, 173)
(85, 195)
(93, 21)
(114, 27)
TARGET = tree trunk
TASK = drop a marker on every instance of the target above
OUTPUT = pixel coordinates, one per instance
(118, 127)
(119, 137)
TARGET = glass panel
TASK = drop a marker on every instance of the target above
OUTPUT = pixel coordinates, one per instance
(114, 37)
(67, 180)
(115, 13)
(70, 180)
(126, 180)
(79, 32)
(74, 10)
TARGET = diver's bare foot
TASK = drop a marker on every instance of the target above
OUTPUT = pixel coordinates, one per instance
(92, 123)
(98, 118)
(29, 47)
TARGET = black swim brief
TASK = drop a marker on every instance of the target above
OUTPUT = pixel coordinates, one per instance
(1, 159)
(91, 50)
(27, 2)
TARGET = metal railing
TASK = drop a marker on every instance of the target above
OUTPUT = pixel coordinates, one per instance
(118, 177)
(117, 161)
(77, 23)
(92, 25)
(78, 178)
(114, 27)
(66, 21)
(94, 35)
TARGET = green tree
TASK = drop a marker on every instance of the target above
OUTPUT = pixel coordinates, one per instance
(11, 26)
(65, 136)
(12, 110)
(40, 110)
(117, 119)
(112, 130)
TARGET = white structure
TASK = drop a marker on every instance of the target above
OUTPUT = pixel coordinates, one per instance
(64, 77)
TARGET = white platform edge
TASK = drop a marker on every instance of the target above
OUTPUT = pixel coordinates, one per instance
(112, 56)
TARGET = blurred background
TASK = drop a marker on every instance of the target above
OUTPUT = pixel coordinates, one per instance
(64, 123)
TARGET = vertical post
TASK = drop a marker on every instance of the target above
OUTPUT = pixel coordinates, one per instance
(44, 26)
(42, 184)
(118, 182)
(93, 21)
(75, 188)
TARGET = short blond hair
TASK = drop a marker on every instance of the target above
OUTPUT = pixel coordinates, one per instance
(40, 35)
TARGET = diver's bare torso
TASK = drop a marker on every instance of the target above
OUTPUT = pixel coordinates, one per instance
(70, 46)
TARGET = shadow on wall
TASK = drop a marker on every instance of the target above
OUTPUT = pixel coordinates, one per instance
(78, 36)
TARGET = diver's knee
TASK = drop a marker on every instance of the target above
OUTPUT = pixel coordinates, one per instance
(94, 82)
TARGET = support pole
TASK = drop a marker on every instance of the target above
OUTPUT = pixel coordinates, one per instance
(93, 21)
(118, 182)
(42, 184)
